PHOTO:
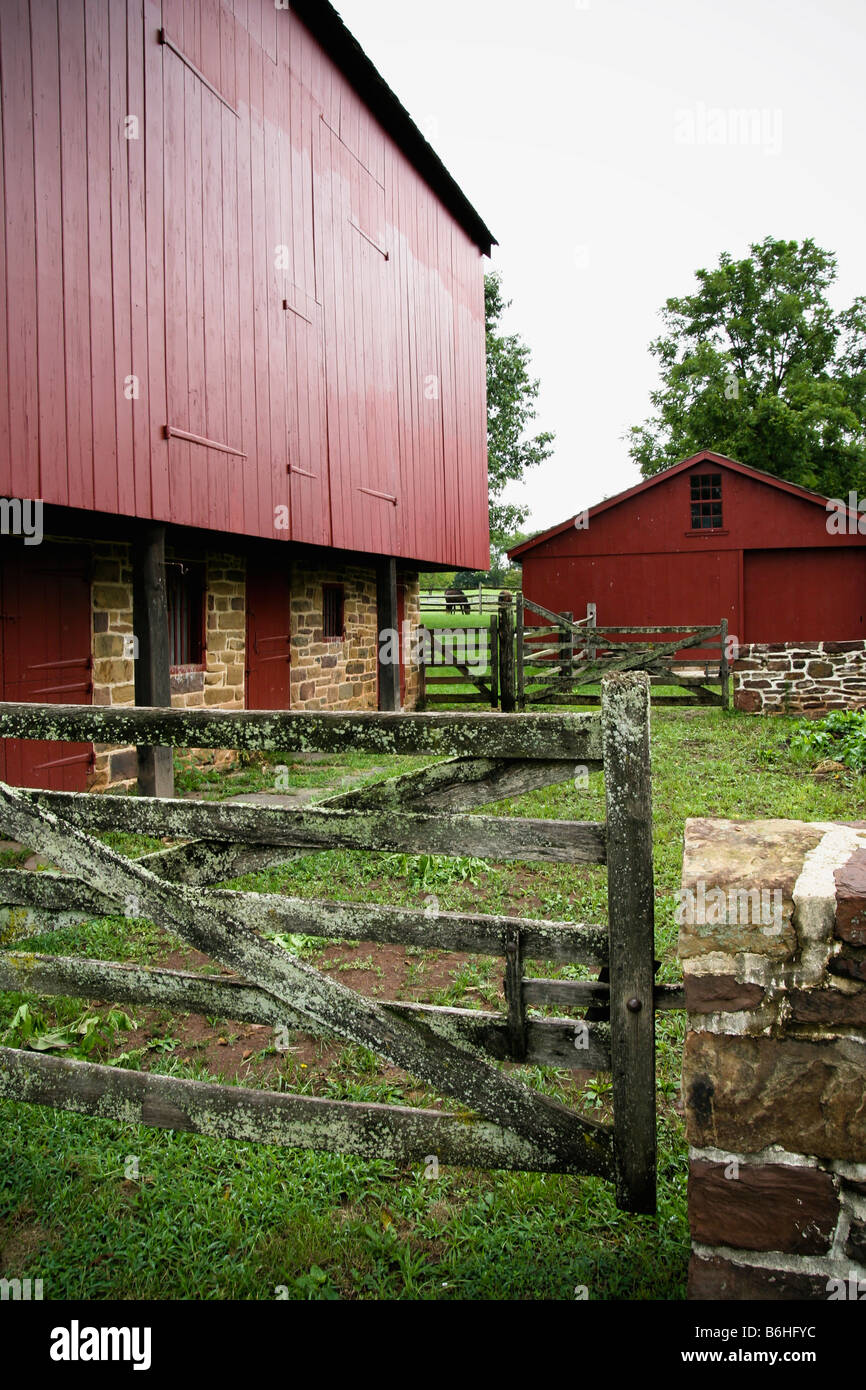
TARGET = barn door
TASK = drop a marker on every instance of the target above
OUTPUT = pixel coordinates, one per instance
(269, 637)
(46, 658)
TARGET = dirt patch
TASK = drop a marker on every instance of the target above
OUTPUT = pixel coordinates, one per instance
(20, 1242)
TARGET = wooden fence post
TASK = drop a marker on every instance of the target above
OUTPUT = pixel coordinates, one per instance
(592, 624)
(424, 650)
(507, 689)
(724, 667)
(494, 661)
(520, 652)
(566, 650)
(625, 705)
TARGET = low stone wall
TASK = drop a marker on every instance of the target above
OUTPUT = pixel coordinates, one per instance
(806, 678)
(773, 947)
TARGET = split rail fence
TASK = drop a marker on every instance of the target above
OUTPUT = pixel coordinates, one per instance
(501, 1121)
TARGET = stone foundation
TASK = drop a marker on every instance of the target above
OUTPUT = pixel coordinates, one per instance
(805, 678)
(773, 947)
(336, 674)
(217, 684)
(342, 673)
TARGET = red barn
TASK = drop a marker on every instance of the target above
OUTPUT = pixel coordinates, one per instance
(243, 349)
(705, 540)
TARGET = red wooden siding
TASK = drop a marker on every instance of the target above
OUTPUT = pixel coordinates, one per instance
(772, 569)
(45, 657)
(263, 258)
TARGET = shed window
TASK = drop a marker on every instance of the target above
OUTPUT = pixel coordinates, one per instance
(186, 589)
(333, 624)
(706, 502)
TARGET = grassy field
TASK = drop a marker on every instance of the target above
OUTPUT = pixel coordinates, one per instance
(98, 1210)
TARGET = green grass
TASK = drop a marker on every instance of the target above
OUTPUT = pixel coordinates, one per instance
(206, 1219)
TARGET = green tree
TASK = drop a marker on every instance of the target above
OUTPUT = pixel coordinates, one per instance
(757, 365)
(511, 396)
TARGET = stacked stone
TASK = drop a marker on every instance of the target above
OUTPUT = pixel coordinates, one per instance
(808, 678)
(338, 674)
(113, 672)
(221, 684)
(774, 1071)
(411, 623)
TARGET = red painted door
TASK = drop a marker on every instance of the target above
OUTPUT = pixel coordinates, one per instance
(269, 637)
(805, 595)
(45, 641)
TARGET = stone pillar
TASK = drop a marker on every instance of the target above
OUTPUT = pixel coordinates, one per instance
(773, 948)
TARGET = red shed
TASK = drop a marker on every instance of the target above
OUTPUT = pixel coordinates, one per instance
(705, 540)
(242, 330)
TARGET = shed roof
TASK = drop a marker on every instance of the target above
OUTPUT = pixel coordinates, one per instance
(704, 456)
(325, 24)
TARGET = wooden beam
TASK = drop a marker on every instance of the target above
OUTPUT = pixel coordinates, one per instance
(310, 828)
(483, 935)
(153, 663)
(570, 737)
(545, 1042)
(387, 617)
(400, 1134)
(631, 904)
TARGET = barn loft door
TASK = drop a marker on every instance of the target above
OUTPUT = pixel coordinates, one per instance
(203, 345)
(359, 294)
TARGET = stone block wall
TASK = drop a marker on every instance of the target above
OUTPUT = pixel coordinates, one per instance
(411, 623)
(773, 948)
(341, 674)
(113, 665)
(220, 685)
(805, 678)
(334, 674)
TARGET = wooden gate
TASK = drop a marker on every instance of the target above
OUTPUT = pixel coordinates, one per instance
(556, 661)
(502, 1122)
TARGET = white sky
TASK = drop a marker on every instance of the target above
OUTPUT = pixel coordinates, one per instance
(563, 122)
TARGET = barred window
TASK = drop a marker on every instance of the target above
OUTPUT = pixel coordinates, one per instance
(706, 501)
(333, 624)
(186, 589)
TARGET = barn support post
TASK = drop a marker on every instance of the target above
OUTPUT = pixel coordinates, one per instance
(507, 684)
(153, 661)
(625, 713)
(724, 666)
(389, 670)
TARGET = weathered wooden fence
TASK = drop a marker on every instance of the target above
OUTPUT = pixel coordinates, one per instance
(503, 1122)
(458, 666)
(556, 661)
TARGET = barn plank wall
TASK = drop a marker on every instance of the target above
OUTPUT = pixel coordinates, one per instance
(230, 299)
(774, 570)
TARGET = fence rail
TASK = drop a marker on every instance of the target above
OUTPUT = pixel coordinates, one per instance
(480, 600)
(504, 1123)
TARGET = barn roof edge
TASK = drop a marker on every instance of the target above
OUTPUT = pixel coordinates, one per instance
(328, 28)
